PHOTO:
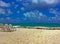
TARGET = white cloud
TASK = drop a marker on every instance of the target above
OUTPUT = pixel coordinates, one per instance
(18, 11)
(22, 8)
(9, 12)
(27, 14)
(41, 14)
(4, 4)
(40, 4)
(18, 0)
(2, 11)
(36, 15)
(8, 18)
(40, 17)
(46, 1)
(16, 6)
(50, 1)
(54, 11)
(35, 1)
(13, 3)
(56, 18)
(5, 11)
(2, 18)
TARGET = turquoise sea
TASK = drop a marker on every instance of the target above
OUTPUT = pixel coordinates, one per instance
(36, 25)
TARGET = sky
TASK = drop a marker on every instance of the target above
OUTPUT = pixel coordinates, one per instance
(30, 11)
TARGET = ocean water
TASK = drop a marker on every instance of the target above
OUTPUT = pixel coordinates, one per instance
(36, 25)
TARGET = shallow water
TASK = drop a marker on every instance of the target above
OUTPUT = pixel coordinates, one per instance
(37, 25)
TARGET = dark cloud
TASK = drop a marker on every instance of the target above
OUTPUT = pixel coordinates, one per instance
(40, 4)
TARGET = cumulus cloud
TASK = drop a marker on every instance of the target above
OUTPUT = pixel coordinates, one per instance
(45, 1)
(8, 18)
(15, 6)
(18, 11)
(4, 4)
(41, 17)
(2, 18)
(35, 15)
(50, 1)
(9, 12)
(18, 0)
(34, 6)
(5, 11)
(35, 1)
(38, 4)
(22, 8)
(2, 11)
(55, 11)
(56, 18)
(4, 8)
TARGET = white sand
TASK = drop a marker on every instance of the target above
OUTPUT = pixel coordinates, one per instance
(30, 36)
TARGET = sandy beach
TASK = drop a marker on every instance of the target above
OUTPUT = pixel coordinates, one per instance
(30, 36)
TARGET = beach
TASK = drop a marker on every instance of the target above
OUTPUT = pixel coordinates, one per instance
(30, 36)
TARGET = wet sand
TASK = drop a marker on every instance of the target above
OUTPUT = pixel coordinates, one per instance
(30, 36)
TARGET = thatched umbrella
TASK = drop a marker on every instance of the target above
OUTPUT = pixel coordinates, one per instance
(8, 28)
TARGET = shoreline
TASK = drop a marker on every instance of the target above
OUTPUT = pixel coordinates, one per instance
(37, 27)
(34, 28)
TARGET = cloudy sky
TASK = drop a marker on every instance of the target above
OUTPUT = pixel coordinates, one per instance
(29, 11)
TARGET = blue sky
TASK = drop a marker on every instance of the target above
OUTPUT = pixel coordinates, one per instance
(29, 11)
